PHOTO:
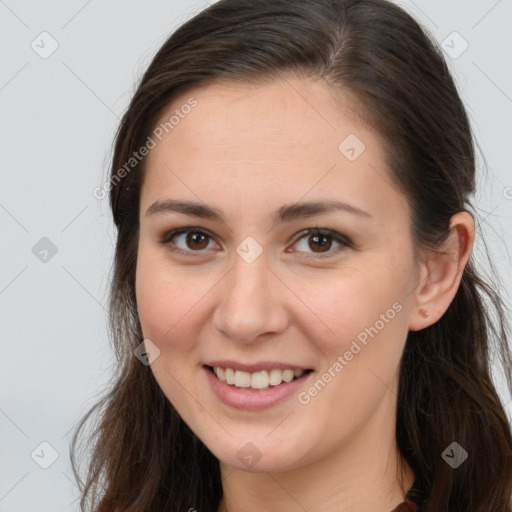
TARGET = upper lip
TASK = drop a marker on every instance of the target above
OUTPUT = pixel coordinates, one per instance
(256, 367)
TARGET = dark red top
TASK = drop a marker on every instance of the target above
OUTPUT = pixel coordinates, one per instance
(406, 506)
(412, 502)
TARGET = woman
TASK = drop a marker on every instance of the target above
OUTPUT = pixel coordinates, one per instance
(296, 313)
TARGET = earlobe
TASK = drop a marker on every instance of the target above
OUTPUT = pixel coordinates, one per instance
(441, 273)
(423, 312)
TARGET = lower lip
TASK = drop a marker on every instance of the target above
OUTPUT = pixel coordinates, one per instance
(241, 398)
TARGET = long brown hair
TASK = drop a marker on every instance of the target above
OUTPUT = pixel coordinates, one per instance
(143, 457)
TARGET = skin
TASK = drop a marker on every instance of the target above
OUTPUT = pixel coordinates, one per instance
(248, 150)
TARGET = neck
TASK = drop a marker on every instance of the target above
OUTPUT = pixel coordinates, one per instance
(367, 474)
(292, 491)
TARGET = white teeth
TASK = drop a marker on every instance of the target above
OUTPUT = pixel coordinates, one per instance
(288, 375)
(256, 380)
(275, 377)
(242, 379)
(259, 380)
(229, 374)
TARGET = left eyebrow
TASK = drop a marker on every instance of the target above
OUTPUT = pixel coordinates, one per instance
(286, 213)
(290, 212)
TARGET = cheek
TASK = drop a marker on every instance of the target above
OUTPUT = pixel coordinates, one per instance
(165, 303)
(164, 300)
(365, 320)
(364, 315)
(347, 305)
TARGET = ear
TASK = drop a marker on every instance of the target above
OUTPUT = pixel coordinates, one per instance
(441, 272)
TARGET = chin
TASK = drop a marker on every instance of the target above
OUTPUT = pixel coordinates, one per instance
(256, 457)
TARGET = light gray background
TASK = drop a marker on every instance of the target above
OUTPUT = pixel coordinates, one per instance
(58, 118)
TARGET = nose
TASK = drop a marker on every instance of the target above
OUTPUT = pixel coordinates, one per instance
(251, 302)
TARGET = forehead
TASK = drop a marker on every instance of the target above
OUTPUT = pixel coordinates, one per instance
(281, 114)
(290, 136)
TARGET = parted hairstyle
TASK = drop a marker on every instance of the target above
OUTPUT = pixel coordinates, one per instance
(140, 454)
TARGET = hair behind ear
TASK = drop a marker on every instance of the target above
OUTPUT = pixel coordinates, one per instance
(446, 395)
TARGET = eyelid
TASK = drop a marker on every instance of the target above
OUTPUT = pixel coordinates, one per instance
(324, 231)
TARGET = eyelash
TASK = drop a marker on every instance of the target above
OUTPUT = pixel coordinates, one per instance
(344, 242)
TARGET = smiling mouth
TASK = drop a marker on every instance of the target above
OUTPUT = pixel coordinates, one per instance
(257, 381)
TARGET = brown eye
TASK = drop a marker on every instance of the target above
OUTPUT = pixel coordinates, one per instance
(321, 242)
(196, 240)
(187, 241)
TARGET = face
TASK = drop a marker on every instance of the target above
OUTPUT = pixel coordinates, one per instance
(253, 279)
